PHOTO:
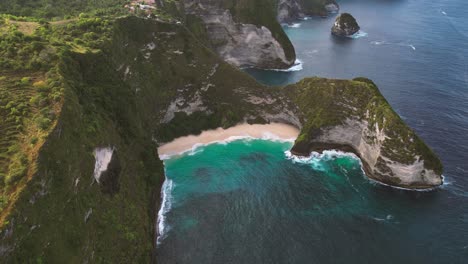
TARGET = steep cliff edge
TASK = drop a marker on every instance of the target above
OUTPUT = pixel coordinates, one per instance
(291, 10)
(354, 116)
(242, 35)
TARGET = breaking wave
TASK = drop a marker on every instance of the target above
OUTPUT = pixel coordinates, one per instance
(359, 34)
(166, 206)
(297, 66)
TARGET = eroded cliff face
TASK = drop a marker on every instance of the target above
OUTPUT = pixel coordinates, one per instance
(238, 40)
(353, 116)
(291, 10)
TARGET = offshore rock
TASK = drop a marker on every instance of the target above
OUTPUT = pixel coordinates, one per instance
(345, 25)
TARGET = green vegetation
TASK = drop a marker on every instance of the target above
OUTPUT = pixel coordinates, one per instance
(70, 86)
(61, 9)
(69, 216)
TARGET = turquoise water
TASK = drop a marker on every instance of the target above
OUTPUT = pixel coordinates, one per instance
(248, 201)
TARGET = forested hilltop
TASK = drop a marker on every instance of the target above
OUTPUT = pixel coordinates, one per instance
(77, 77)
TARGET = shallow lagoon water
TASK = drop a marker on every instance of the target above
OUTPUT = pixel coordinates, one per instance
(248, 202)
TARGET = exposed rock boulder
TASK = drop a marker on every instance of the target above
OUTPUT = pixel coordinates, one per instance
(345, 25)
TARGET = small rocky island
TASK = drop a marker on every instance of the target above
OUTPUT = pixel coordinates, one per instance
(345, 25)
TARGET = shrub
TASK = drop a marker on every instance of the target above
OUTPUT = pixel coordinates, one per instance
(41, 86)
(43, 122)
(25, 80)
(34, 140)
(17, 169)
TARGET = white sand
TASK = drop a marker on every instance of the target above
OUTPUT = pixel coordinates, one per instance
(273, 131)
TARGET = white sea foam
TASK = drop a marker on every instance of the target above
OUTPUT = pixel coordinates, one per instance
(166, 206)
(387, 218)
(377, 42)
(315, 158)
(194, 144)
(297, 66)
(294, 25)
(198, 148)
(359, 34)
(443, 12)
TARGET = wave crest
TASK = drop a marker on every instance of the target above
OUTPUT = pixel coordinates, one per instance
(166, 206)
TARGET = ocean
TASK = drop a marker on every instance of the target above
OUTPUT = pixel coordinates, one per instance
(249, 201)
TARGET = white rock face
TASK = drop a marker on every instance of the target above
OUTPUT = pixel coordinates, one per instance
(355, 133)
(103, 157)
(332, 8)
(289, 10)
(242, 45)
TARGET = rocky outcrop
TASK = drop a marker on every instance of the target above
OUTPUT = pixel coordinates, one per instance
(291, 10)
(243, 44)
(354, 116)
(345, 26)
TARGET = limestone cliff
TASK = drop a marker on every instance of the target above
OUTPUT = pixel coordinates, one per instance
(290, 10)
(353, 116)
(242, 36)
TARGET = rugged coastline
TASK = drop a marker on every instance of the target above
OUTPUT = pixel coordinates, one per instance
(153, 81)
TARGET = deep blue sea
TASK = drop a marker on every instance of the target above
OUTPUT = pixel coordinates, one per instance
(249, 202)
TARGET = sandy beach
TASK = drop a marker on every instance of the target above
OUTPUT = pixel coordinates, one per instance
(274, 131)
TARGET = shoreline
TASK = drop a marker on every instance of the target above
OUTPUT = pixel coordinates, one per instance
(272, 131)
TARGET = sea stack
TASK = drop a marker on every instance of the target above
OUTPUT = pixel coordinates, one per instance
(345, 25)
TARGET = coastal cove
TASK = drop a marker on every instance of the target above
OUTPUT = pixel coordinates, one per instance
(147, 131)
(250, 200)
